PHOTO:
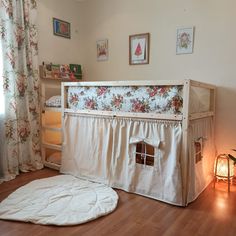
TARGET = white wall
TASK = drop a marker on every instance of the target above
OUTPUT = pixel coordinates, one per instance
(54, 48)
(213, 60)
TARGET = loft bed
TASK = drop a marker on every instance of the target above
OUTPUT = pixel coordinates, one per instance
(153, 138)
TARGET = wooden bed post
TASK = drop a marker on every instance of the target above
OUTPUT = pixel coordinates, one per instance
(184, 152)
(63, 107)
(213, 109)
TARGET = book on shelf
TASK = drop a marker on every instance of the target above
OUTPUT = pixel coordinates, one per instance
(65, 71)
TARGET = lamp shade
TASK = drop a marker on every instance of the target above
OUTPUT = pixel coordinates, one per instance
(223, 165)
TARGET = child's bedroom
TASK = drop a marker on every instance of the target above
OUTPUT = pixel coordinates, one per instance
(117, 117)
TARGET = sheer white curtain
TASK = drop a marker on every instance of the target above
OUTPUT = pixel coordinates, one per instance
(20, 105)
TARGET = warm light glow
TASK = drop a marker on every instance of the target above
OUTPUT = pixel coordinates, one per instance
(221, 203)
(222, 167)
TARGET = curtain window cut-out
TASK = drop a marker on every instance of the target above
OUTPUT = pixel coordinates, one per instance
(144, 154)
(198, 151)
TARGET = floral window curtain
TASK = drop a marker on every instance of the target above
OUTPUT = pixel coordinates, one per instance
(20, 150)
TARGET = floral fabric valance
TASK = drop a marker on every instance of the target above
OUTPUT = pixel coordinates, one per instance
(141, 99)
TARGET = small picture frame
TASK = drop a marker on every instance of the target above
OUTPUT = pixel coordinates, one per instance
(102, 50)
(184, 40)
(139, 49)
(61, 28)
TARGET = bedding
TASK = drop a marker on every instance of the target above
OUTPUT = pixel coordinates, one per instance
(54, 101)
(144, 99)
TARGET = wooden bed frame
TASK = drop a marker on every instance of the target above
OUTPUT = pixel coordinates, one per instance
(186, 117)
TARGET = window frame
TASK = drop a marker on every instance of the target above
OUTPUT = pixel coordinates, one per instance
(142, 158)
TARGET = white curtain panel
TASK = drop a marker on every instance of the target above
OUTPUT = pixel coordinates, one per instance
(202, 172)
(103, 150)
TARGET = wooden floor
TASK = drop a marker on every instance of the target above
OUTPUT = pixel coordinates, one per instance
(213, 213)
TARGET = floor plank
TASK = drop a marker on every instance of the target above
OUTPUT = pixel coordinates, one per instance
(213, 213)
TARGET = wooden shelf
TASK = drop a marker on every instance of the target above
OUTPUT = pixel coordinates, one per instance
(60, 79)
(52, 165)
(53, 127)
(55, 109)
(51, 116)
(52, 146)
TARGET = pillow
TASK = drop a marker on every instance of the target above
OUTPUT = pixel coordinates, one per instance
(54, 101)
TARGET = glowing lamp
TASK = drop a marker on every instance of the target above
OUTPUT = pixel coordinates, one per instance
(224, 168)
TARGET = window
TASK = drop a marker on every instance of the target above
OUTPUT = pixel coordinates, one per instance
(198, 151)
(144, 154)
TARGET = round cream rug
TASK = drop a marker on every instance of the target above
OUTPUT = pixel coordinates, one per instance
(59, 200)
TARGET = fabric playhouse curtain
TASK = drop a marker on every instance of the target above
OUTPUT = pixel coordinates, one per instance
(103, 149)
(20, 117)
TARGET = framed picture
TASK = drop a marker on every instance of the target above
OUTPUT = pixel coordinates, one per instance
(139, 49)
(102, 50)
(184, 40)
(61, 28)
